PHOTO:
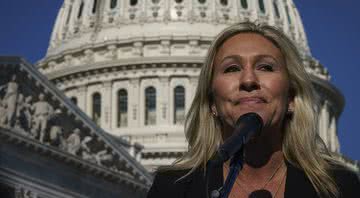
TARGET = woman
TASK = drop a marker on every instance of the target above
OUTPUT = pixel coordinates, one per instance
(255, 68)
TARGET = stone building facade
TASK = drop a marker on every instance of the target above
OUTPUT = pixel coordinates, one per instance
(133, 65)
(50, 149)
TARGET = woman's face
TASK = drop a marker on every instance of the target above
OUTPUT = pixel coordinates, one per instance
(250, 76)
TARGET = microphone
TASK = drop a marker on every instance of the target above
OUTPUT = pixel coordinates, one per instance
(246, 127)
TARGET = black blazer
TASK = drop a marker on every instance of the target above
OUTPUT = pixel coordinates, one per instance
(193, 186)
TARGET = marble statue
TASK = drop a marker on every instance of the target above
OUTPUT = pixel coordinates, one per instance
(86, 151)
(42, 111)
(74, 142)
(27, 111)
(103, 156)
(10, 100)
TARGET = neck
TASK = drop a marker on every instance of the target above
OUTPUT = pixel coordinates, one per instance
(263, 154)
(264, 149)
(273, 162)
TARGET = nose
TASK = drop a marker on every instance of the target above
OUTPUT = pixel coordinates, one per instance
(249, 81)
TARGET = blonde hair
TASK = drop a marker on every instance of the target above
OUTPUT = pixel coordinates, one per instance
(301, 144)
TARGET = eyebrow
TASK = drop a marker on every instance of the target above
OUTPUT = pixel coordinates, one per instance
(231, 57)
(257, 57)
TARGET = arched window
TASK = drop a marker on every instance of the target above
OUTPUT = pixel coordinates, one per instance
(94, 8)
(74, 100)
(244, 4)
(224, 2)
(262, 6)
(150, 106)
(113, 4)
(122, 103)
(276, 9)
(133, 2)
(178, 1)
(69, 15)
(80, 10)
(288, 14)
(179, 105)
(96, 107)
(202, 1)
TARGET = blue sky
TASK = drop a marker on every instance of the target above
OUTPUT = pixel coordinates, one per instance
(332, 28)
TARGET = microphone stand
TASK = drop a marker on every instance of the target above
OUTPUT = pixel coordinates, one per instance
(236, 164)
(246, 126)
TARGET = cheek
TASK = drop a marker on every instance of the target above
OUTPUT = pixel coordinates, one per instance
(223, 88)
(223, 93)
(279, 92)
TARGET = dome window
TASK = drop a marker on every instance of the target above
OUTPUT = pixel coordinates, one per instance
(96, 108)
(202, 1)
(178, 1)
(94, 8)
(81, 8)
(262, 6)
(179, 105)
(224, 2)
(113, 4)
(133, 2)
(122, 100)
(244, 4)
(150, 106)
(276, 9)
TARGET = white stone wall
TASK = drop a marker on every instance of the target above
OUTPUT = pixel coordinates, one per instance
(154, 44)
(147, 19)
(164, 136)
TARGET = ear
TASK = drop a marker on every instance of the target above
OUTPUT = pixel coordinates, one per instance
(214, 110)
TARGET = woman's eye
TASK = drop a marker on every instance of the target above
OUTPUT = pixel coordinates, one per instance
(232, 68)
(266, 67)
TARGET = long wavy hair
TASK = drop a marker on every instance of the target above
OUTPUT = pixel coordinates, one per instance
(301, 146)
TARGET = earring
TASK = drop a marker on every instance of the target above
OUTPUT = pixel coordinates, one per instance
(214, 114)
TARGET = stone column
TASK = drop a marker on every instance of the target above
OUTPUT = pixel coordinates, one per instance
(334, 141)
(106, 105)
(190, 92)
(82, 98)
(163, 98)
(133, 102)
(324, 123)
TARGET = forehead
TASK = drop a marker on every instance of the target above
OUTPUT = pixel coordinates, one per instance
(247, 44)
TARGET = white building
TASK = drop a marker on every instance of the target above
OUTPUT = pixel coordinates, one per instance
(133, 65)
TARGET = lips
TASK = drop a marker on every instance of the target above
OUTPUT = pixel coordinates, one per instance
(250, 100)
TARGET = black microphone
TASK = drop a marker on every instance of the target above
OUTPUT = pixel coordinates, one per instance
(246, 127)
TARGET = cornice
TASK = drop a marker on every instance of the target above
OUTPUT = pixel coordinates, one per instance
(54, 56)
(12, 136)
(330, 92)
(129, 64)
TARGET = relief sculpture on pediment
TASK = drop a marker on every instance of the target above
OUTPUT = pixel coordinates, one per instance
(42, 119)
(42, 112)
(9, 101)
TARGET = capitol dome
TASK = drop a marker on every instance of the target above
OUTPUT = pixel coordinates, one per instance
(133, 65)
